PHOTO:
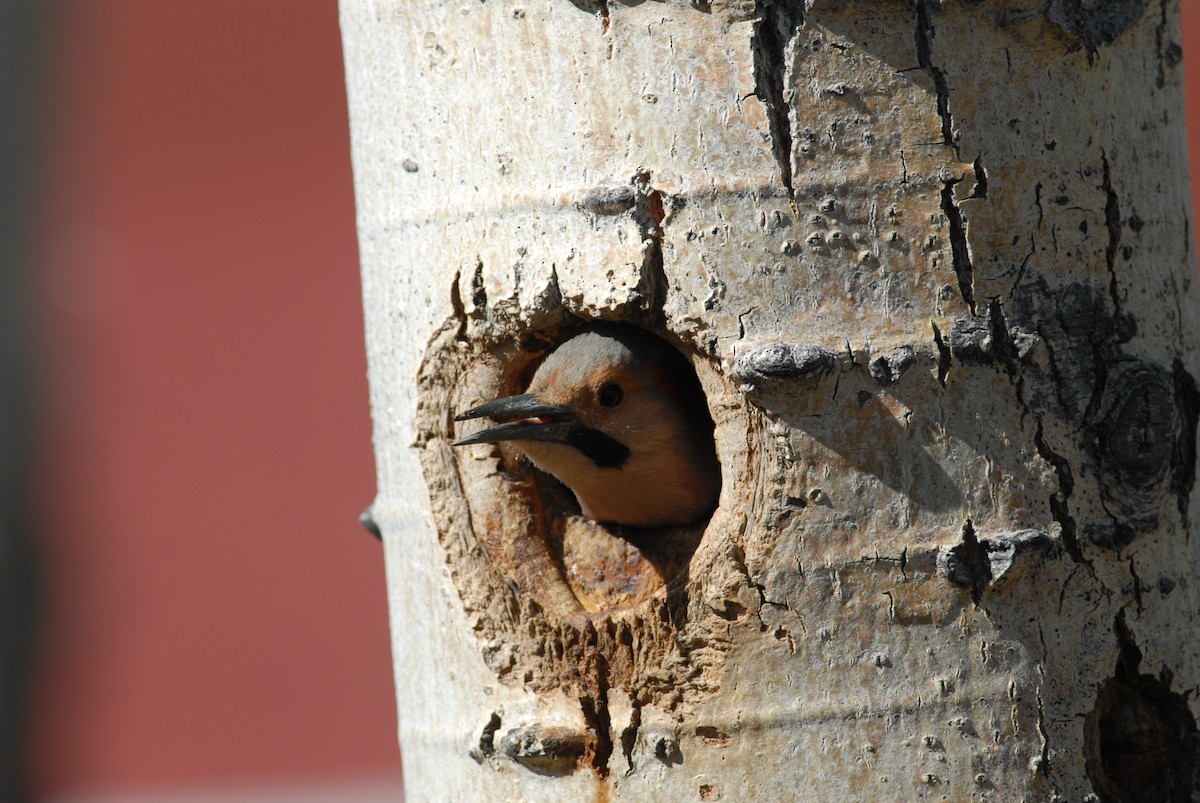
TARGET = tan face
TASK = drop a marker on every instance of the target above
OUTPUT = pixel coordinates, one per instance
(625, 392)
(591, 376)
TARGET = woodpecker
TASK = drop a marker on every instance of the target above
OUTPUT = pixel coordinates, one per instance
(617, 415)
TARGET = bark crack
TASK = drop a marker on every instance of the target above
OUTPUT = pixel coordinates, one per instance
(1021, 268)
(1043, 762)
(629, 736)
(650, 212)
(739, 558)
(943, 354)
(960, 250)
(1112, 222)
(1007, 350)
(775, 29)
(1137, 584)
(457, 309)
(1060, 501)
(1057, 383)
(1160, 36)
(599, 721)
(925, 34)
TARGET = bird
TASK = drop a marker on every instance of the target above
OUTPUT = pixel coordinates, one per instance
(617, 415)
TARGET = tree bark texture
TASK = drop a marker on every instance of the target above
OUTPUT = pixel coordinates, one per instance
(933, 264)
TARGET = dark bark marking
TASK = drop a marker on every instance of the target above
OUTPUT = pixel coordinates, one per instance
(1043, 764)
(478, 291)
(1100, 368)
(1004, 345)
(968, 564)
(1135, 434)
(1024, 264)
(486, 747)
(595, 713)
(1129, 657)
(1159, 35)
(971, 341)
(457, 309)
(629, 735)
(943, 354)
(1137, 585)
(977, 564)
(776, 26)
(980, 190)
(887, 368)
(925, 34)
(1140, 739)
(1060, 501)
(1076, 324)
(1112, 222)
(960, 251)
(1010, 352)
(601, 10)
(650, 212)
(1139, 431)
(1183, 474)
(1095, 23)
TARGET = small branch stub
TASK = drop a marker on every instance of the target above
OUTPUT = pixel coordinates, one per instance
(783, 363)
(609, 199)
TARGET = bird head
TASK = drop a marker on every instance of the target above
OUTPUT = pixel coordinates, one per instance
(617, 415)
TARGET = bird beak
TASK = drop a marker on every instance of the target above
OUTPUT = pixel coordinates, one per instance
(520, 418)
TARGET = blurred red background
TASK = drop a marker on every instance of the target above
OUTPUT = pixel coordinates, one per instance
(213, 614)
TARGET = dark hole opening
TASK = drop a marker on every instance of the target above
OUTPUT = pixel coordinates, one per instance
(1141, 742)
(611, 565)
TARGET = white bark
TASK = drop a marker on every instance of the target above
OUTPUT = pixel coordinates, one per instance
(934, 268)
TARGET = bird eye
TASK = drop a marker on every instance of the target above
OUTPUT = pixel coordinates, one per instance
(611, 395)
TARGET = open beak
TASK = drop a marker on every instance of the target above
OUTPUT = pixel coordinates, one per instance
(520, 418)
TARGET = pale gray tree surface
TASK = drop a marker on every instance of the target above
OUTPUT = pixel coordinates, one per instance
(933, 265)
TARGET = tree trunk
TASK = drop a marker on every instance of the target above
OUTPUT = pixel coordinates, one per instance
(933, 265)
(23, 70)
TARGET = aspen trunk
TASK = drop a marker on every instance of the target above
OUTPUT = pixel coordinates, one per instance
(933, 265)
(23, 27)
